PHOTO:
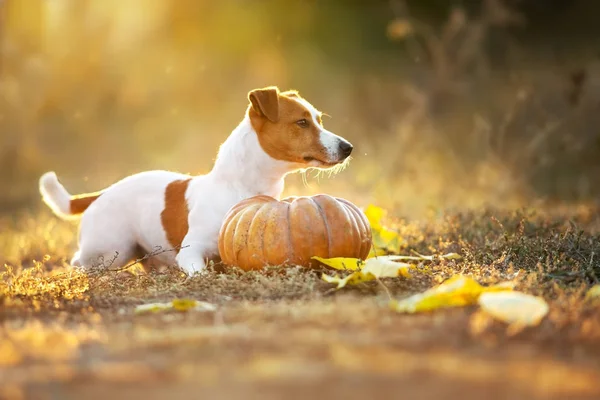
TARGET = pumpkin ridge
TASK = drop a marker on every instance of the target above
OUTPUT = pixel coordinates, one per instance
(289, 224)
(324, 217)
(360, 225)
(363, 225)
(352, 218)
(231, 214)
(229, 249)
(262, 246)
(247, 210)
(256, 220)
(303, 230)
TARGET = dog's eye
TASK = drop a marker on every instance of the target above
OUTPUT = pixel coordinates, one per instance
(302, 123)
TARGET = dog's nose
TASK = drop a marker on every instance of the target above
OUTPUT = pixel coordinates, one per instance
(345, 148)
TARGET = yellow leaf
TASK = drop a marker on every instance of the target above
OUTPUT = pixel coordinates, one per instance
(457, 291)
(177, 305)
(452, 256)
(183, 304)
(383, 267)
(340, 282)
(341, 263)
(514, 308)
(204, 306)
(593, 293)
(375, 252)
(374, 268)
(388, 239)
(152, 307)
(383, 237)
(375, 215)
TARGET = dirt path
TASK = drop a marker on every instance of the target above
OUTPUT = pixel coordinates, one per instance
(342, 347)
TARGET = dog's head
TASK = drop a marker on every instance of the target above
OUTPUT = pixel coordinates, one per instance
(290, 129)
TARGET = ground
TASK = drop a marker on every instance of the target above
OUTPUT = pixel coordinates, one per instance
(285, 333)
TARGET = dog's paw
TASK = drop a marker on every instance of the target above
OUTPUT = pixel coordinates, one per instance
(193, 268)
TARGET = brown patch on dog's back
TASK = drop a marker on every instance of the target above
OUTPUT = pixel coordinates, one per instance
(81, 202)
(174, 217)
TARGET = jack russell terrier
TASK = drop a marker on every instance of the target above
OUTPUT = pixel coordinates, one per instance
(281, 133)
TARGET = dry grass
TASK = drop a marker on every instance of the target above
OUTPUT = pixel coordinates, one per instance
(288, 333)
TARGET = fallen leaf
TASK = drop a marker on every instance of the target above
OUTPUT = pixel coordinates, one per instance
(387, 239)
(340, 282)
(204, 306)
(376, 252)
(383, 237)
(384, 267)
(341, 263)
(177, 305)
(183, 304)
(451, 256)
(593, 292)
(514, 308)
(457, 291)
(372, 268)
(152, 307)
(375, 215)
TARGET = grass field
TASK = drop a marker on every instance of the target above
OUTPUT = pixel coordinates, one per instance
(285, 333)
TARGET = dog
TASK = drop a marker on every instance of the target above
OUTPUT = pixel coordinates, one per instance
(280, 133)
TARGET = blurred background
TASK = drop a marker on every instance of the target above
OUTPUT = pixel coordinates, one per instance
(448, 103)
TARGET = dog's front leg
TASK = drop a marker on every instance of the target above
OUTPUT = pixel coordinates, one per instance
(199, 243)
(191, 256)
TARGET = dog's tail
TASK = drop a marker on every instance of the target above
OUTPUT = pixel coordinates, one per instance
(60, 201)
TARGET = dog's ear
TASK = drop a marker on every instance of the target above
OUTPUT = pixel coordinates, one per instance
(265, 102)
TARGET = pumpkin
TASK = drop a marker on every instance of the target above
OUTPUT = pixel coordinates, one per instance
(263, 231)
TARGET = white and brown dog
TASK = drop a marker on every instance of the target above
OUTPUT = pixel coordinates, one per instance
(280, 133)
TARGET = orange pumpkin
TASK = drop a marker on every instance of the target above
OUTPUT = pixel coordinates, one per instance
(262, 231)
